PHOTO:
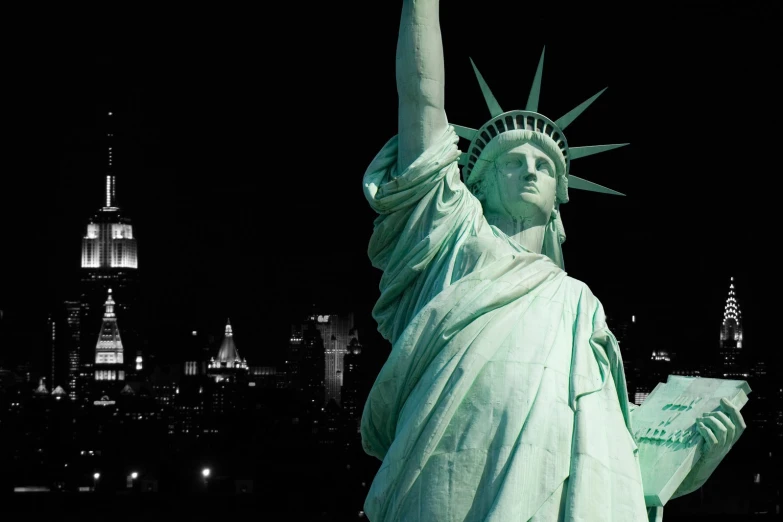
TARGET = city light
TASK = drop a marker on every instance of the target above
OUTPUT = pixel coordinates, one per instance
(134, 475)
(205, 472)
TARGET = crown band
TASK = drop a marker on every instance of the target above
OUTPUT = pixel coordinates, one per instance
(513, 120)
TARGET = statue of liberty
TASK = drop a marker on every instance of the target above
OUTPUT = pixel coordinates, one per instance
(503, 398)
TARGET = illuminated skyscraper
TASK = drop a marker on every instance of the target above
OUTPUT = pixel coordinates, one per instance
(228, 365)
(336, 332)
(73, 329)
(110, 257)
(730, 364)
(109, 353)
(229, 371)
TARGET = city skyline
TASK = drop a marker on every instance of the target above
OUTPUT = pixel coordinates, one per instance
(224, 358)
(206, 172)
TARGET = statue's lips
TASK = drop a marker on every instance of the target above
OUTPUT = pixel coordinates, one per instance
(529, 187)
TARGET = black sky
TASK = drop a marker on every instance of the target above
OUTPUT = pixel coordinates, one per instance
(248, 138)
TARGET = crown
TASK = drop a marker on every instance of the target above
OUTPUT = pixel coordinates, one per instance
(530, 120)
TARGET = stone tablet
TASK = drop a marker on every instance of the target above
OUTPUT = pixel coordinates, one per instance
(665, 429)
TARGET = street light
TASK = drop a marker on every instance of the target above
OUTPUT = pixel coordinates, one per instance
(131, 478)
(95, 477)
(205, 473)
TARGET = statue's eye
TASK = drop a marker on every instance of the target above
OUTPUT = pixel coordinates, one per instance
(512, 164)
(544, 166)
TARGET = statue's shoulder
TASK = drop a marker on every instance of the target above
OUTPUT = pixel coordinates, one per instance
(575, 284)
(576, 287)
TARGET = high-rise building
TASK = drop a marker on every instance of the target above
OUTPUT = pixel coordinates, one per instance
(730, 364)
(51, 344)
(109, 258)
(228, 366)
(353, 382)
(304, 363)
(229, 375)
(336, 333)
(73, 343)
(109, 352)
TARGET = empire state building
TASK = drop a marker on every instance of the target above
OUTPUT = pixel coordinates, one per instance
(110, 256)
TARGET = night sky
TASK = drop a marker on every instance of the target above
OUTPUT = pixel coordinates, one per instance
(246, 141)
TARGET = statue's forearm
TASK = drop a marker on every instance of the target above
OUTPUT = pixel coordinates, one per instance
(420, 79)
(420, 71)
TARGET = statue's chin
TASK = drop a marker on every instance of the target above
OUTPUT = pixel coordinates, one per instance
(527, 206)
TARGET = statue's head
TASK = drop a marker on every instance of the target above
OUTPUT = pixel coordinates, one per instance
(514, 147)
(521, 174)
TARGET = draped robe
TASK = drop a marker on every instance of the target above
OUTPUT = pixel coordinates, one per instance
(503, 398)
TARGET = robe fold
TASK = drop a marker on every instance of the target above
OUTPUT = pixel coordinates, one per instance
(503, 398)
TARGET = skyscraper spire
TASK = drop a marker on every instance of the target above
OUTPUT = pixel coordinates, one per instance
(731, 336)
(111, 202)
(228, 364)
(109, 242)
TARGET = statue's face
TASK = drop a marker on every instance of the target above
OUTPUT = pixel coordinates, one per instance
(525, 184)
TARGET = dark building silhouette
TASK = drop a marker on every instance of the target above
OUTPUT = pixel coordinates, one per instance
(304, 364)
(353, 390)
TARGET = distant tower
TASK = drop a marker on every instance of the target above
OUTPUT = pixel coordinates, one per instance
(336, 332)
(228, 365)
(41, 391)
(51, 341)
(353, 382)
(730, 364)
(304, 363)
(229, 371)
(73, 328)
(109, 254)
(109, 360)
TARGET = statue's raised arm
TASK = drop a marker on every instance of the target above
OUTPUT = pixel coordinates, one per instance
(420, 80)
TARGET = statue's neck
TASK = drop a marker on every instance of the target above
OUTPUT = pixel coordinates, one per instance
(528, 232)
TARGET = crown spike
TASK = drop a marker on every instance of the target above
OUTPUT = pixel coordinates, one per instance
(581, 152)
(492, 103)
(535, 90)
(574, 113)
(464, 132)
(582, 184)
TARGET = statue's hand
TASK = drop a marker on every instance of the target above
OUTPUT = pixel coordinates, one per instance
(720, 429)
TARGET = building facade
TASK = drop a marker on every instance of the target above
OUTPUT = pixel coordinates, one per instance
(109, 351)
(337, 331)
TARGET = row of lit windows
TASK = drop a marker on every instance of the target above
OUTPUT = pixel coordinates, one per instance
(109, 375)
